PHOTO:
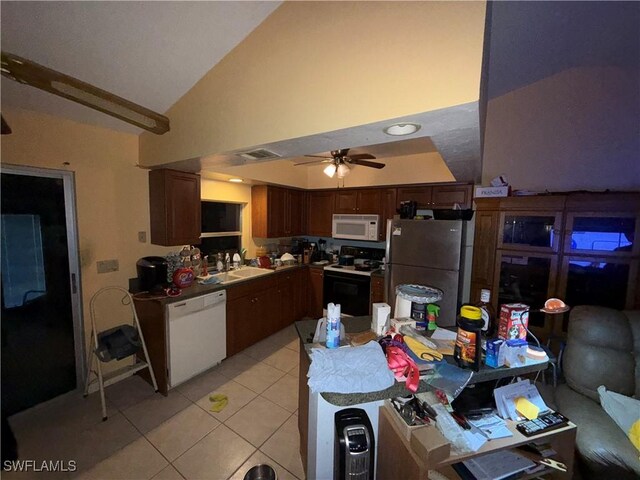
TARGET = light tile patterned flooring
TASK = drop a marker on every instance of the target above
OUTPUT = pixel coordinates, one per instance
(149, 436)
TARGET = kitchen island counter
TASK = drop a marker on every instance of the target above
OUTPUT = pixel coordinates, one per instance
(306, 330)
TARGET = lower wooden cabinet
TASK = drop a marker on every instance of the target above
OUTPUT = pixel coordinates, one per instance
(261, 307)
(255, 309)
(377, 291)
(315, 286)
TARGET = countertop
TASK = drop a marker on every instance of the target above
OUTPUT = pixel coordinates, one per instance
(306, 330)
(196, 289)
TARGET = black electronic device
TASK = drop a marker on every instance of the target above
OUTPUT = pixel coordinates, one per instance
(544, 423)
(354, 453)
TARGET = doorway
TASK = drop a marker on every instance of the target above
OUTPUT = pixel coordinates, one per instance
(42, 334)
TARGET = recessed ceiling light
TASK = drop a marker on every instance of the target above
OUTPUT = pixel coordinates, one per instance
(398, 129)
(235, 180)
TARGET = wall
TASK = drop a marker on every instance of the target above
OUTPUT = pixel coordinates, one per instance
(564, 100)
(232, 192)
(314, 67)
(112, 194)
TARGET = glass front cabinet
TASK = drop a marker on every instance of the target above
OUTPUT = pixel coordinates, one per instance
(582, 248)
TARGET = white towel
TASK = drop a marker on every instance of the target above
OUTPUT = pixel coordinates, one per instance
(349, 370)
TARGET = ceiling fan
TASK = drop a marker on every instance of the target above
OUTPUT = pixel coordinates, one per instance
(340, 162)
(25, 71)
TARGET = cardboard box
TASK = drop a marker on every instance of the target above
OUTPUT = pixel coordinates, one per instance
(514, 320)
(487, 192)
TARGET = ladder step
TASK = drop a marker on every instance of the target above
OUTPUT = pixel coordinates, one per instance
(117, 375)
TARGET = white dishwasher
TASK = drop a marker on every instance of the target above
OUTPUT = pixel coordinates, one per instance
(197, 334)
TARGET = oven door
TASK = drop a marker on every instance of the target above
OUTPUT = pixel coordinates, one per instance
(350, 291)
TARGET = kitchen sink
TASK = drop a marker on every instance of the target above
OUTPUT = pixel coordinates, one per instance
(249, 272)
(242, 274)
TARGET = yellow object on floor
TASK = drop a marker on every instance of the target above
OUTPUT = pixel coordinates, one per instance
(219, 401)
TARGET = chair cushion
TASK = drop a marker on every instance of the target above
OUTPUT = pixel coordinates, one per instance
(602, 445)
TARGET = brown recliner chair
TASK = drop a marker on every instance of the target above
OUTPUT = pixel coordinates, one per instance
(603, 348)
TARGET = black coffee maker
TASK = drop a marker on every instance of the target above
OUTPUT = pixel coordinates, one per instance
(152, 273)
(408, 209)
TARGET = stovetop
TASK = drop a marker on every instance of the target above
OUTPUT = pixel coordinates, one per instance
(350, 269)
(366, 259)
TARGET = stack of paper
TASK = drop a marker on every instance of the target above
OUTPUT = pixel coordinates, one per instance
(507, 397)
(492, 427)
(498, 465)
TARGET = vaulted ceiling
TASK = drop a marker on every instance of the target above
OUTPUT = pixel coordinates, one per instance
(151, 53)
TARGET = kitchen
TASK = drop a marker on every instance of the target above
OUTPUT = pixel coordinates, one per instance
(113, 210)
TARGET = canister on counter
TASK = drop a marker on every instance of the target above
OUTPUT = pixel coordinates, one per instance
(514, 319)
(468, 350)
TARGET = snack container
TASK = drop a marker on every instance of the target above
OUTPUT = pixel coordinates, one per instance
(514, 319)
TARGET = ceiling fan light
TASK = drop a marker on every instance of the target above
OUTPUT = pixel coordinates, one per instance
(330, 170)
(399, 129)
(343, 170)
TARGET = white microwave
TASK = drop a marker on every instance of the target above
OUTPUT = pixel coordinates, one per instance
(355, 227)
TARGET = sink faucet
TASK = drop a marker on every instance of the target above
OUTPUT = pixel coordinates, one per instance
(227, 262)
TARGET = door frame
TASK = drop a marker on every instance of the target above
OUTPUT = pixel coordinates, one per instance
(75, 284)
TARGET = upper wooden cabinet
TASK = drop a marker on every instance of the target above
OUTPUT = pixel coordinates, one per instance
(387, 210)
(277, 212)
(438, 196)
(320, 212)
(174, 206)
(365, 201)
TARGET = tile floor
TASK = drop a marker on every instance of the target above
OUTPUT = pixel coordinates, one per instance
(149, 436)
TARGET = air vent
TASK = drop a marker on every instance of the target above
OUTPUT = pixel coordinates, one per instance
(259, 154)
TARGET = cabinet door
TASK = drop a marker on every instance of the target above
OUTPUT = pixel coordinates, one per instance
(278, 220)
(484, 248)
(528, 278)
(316, 279)
(369, 201)
(288, 292)
(603, 280)
(387, 210)
(266, 313)
(300, 282)
(534, 231)
(346, 201)
(320, 213)
(422, 195)
(240, 330)
(602, 233)
(296, 210)
(377, 291)
(174, 200)
(447, 196)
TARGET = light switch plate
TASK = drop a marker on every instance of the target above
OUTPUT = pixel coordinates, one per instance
(106, 266)
(142, 237)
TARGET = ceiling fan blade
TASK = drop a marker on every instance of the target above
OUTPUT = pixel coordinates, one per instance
(6, 129)
(362, 156)
(25, 71)
(314, 162)
(366, 163)
(319, 156)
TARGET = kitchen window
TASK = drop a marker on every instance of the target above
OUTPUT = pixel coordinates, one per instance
(221, 227)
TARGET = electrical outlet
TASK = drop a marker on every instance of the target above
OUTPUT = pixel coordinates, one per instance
(106, 266)
(142, 237)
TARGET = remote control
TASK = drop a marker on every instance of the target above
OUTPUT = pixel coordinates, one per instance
(544, 423)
